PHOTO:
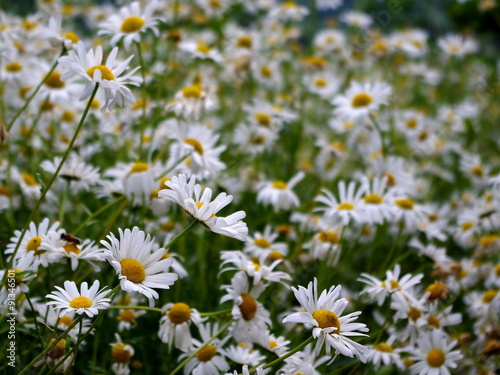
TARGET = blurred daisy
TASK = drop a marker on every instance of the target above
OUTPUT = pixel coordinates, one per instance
(87, 301)
(88, 65)
(434, 354)
(344, 209)
(138, 264)
(121, 354)
(331, 329)
(190, 101)
(384, 353)
(361, 99)
(357, 19)
(457, 45)
(279, 193)
(130, 23)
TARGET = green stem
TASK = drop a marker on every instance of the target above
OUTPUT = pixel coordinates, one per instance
(375, 123)
(63, 203)
(114, 218)
(145, 308)
(28, 101)
(161, 175)
(182, 234)
(253, 370)
(53, 179)
(183, 363)
(103, 208)
(215, 313)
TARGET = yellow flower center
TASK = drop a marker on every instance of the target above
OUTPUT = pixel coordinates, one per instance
(105, 72)
(263, 119)
(248, 307)
(361, 100)
(196, 145)
(80, 303)
(244, 42)
(17, 279)
(127, 316)
(262, 242)
(57, 351)
(179, 313)
(275, 255)
(266, 71)
(191, 92)
(34, 244)
(436, 290)
(373, 199)
(29, 179)
(66, 320)
(345, 206)
(215, 4)
(203, 48)
(273, 344)
(207, 353)
(120, 354)
(13, 67)
(327, 319)
(411, 123)
(414, 314)
(289, 4)
(489, 239)
(435, 358)
(405, 204)
(278, 184)
(384, 347)
(133, 270)
(330, 237)
(433, 321)
(132, 24)
(72, 36)
(68, 116)
(467, 225)
(320, 82)
(72, 248)
(489, 295)
(54, 80)
(497, 270)
(139, 167)
(391, 180)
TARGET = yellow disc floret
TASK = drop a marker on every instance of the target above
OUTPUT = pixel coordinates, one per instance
(327, 319)
(179, 313)
(435, 358)
(361, 100)
(133, 270)
(80, 303)
(207, 353)
(132, 24)
(248, 307)
(105, 72)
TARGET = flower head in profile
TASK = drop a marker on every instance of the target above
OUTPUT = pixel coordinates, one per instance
(138, 263)
(324, 312)
(86, 300)
(88, 65)
(279, 194)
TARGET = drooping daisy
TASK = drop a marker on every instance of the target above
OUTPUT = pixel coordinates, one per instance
(384, 353)
(121, 354)
(190, 101)
(89, 67)
(137, 261)
(244, 354)
(174, 325)
(279, 193)
(87, 301)
(331, 329)
(130, 23)
(434, 354)
(361, 99)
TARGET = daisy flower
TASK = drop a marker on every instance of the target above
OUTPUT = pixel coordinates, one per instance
(344, 209)
(303, 362)
(138, 264)
(279, 193)
(87, 301)
(357, 19)
(121, 354)
(211, 359)
(376, 200)
(130, 23)
(331, 329)
(174, 325)
(384, 353)
(434, 354)
(361, 99)
(457, 45)
(264, 243)
(190, 101)
(88, 66)
(198, 203)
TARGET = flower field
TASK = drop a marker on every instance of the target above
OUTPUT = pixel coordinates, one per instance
(242, 187)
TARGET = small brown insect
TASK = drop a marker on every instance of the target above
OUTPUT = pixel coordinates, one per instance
(70, 238)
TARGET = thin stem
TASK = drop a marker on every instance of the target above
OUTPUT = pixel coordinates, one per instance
(182, 234)
(28, 101)
(103, 208)
(115, 217)
(183, 363)
(53, 179)
(51, 345)
(145, 308)
(172, 167)
(63, 203)
(375, 123)
(215, 313)
(282, 358)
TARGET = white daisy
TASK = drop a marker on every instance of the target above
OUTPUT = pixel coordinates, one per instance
(88, 65)
(344, 209)
(434, 354)
(279, 193)
(331, 329)
(137, 261)
(87, 301)
(130, 23)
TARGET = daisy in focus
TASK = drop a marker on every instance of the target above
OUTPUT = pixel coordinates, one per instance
(331, 329)
(88, 301)
(138, 264)
(88, 66)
